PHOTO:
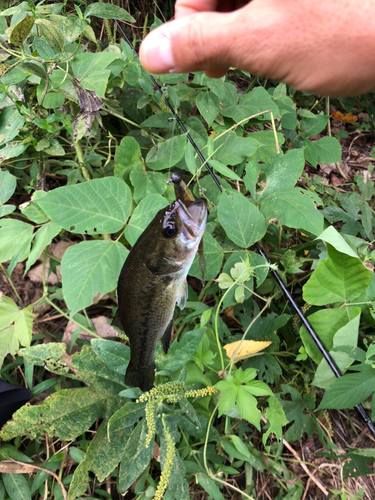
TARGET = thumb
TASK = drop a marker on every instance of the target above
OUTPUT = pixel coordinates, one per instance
(197, 42)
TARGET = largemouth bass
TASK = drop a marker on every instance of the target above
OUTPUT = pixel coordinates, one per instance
(153, 280)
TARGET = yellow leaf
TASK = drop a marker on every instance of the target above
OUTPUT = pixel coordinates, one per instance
(247, 348)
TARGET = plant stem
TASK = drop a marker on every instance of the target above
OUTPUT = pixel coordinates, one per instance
(11, 284)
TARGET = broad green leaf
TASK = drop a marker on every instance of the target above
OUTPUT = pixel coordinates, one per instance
(18, 32)
(8, 311)
(166, 154)
(6, 210)
(72, 27)
(33, 67)
(334, 238)
(12, 150)
(89, 69)
(312, 124)
(276, 418)
(146, 183)
(128, 156)
(180, 353)
(143, 215)
(94, 207)
(256, 101)
(232, 150)
(33, 212)
(124, 419)
(43, 237)
(10, 123)
(284, 172)
(247, 407)
(208, 105)
(339, 278)
(51, 33)
(14, 235)
(108, 11)
(8, 343)
(136, 457)
(325, 150)
(89, 270)
(42, 353)
(326, 323)
(213, 256)
(241, 220)
(22, 7)
(113, 354)
(23, 326)
(349, 390)
(293, 208)
(66, 414)
(240, 445)
(16, 486)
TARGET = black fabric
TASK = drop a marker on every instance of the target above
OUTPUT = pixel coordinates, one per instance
(11, 399)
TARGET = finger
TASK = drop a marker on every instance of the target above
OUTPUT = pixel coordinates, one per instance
(216, 73)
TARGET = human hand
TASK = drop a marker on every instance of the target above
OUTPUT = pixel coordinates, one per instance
(325, 48)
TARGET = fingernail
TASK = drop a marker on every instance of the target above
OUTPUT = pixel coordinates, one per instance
(156, 53)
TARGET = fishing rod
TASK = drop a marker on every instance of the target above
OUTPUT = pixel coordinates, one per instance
(361, 411)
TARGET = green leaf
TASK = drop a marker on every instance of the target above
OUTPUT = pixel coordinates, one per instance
(254, 102)
(33, 67)
(209, 486)
(8, 311)
(293, 208)
(23, 326)
(180, 353)
(14, 235)
(325, 150)
(94, 207)
(6, 210)
(72, 27)
(247, 407)
(312, 124)
(18, 32)
(12, 150)
(241, 220)
(136, 457)
(89, 270)
(10, 123)
(334, 238)
(66, 414)
(42, 353)
(208, 105)
(166, 154)
(213, 256)
(113, 354)
(108, 11)
(224, 170)
(232, 150)
(143, 215)
(89, 69)
(339, 278)
(146, 183)
(22, 7)
(284, 172)
(51, 33)
(16, 486)
(8, 343)
(240, 445)
(326, 323)
(43, 237)
(276, 418)
(128, 155)
(349, 390)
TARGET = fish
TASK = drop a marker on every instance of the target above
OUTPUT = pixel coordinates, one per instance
(153, 280)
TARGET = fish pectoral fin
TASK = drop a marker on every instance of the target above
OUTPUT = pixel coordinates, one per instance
(166, 338)
(183, 295)
(116, 322)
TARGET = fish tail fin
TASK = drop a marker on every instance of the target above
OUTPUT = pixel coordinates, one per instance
(142, 378)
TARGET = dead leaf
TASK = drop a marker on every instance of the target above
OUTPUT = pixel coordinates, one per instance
(101, 325)
(247, 348)
(327, 168)
(57, 249)
(335, 181)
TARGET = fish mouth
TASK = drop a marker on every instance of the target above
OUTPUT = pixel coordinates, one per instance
(193, 217)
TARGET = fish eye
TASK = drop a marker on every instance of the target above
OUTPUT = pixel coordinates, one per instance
(169, 230)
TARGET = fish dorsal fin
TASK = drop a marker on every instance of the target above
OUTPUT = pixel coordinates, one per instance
(183, 295)
(117, 322)
(166, 338)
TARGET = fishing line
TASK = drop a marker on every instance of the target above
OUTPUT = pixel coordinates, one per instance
(361, 411)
